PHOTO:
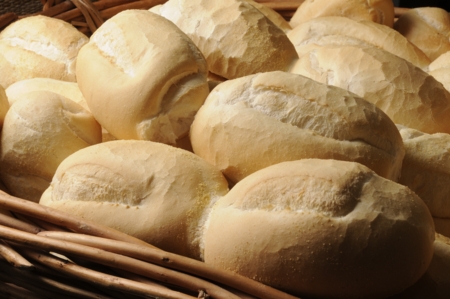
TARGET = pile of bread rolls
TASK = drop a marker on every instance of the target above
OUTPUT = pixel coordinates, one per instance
(309, 155)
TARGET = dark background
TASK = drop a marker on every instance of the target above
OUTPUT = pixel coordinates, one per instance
(445, 4)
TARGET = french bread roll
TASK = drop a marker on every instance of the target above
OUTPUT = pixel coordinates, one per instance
(236, 38)
(322, 229)
(39, 46)
(67, 89)
(153, 191)
(426, 168)
(428, 28)
(407, 94)
(153, 78)
(255, 121)
(40, 130)
(370, 32)
(378, 11)
(4, 105)
(272, 15)
(440, 69)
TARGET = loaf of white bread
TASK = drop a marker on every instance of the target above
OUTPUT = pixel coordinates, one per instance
(236, 38)
(155, 192)
(322, 229)
(426, 171)
(142, 77)
(40, 130)
(428, 28)
(377, 11)
(255, 121)
(39, 46)
(407, 94)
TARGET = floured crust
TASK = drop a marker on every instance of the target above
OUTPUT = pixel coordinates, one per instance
(153, 77)
(372, 33)
(425, 168)
(235, 37)
(149, 190)
(252, 122)
(67, 89)
(428, 28)
(378, 11)
(407, 94)
(40, 130)
(39, 46)
(300, 225)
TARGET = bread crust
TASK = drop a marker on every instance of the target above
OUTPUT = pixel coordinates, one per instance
(377, 11)
(236, 38)
(252, 122)
(302, 225)
(153, 78)
(155, 192)
(39, 46)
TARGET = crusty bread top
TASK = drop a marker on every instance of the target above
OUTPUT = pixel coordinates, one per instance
(322, 222)
(236, 38)
(150, 190)
(407, 94)
(40, 46)
(153, 78)
(373, 33)
(378, 11)
(291, 117)
(428, 28)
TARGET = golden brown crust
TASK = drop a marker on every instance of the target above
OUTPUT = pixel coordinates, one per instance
(428, 28)
(369, 32)
(153, 77)
(149, 190)
(40, 130)
(416, 100)
(255, 121)
(236, 38)
(300, 225)
(378, 11)
(39, 46)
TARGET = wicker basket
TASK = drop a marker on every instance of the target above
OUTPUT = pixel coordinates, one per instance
(45, 253)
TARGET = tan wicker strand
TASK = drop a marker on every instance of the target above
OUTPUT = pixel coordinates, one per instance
(13, 257)
(54, 216)
(19, 224)
(175, 262)
(104, 280)
(119, 261)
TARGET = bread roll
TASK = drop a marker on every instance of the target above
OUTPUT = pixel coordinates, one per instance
(428, 28)
(153, 78)
(4, 105)
(440, 69)
(407, 94)
(67, 89)
(426, 168)
(322, 229)
(149, 190)
(252, 122)
(272, 15)
(236, 38)
(372, 33)
(378, 11)
(39, 46)
(40, 130)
